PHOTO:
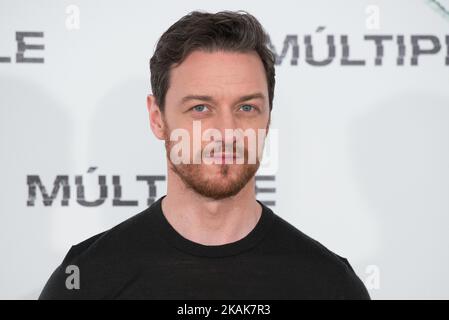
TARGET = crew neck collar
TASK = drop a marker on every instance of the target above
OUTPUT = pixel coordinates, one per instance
(266, 219)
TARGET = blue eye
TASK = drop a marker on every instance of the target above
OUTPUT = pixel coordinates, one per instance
(199, 108)
(247, 107)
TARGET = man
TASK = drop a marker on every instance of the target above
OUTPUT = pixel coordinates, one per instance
(208, 238)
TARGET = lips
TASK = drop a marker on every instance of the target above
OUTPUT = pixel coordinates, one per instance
(224, 156)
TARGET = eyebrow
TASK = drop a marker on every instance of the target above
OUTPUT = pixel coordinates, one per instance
(257, 95)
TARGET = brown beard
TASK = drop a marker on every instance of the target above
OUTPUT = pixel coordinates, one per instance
(231, 180)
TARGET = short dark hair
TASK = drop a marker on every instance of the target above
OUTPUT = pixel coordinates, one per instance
(236, 31)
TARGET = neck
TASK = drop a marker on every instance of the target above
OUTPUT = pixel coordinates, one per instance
(207, 221)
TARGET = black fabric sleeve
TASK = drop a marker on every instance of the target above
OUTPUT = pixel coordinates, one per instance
(55, 288)
(351, 287)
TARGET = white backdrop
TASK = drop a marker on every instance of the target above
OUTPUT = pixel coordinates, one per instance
(363, 153)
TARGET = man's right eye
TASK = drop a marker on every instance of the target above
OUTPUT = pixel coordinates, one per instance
(200, 108)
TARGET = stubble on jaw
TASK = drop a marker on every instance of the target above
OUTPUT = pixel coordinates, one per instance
(228, 182)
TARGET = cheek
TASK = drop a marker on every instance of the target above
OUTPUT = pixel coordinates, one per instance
(174, 121)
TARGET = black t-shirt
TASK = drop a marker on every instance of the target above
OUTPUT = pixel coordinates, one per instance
(144, 257)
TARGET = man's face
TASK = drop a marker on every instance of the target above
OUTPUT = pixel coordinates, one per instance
(220, 90)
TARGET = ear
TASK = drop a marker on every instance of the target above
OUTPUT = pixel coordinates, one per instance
(155, 115)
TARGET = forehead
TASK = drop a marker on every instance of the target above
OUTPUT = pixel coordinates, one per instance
(219, 74)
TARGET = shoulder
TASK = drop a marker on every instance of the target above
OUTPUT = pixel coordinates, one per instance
(132, 231)
(313, 255)
(97, 255)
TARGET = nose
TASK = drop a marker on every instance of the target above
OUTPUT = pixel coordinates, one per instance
(224, 122)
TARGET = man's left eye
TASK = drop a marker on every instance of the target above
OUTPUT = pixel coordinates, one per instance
(200, 108)
(247, 107)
